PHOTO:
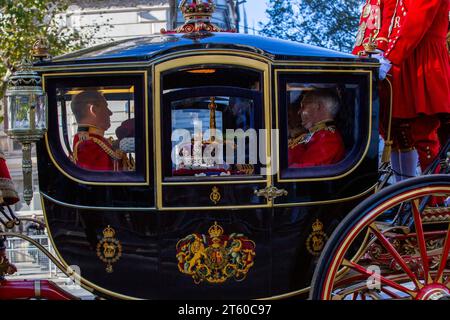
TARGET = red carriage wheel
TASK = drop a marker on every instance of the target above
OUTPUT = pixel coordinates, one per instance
(394, 245)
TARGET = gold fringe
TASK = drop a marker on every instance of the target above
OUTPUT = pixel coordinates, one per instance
(386, 157)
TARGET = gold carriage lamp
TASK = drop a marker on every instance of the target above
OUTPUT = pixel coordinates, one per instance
(27, 117)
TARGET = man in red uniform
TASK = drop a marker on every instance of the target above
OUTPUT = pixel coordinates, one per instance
(421, 75)
(323, 143)
(91, 150)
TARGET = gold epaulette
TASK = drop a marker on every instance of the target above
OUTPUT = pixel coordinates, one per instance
(293, 142)
(323, 125)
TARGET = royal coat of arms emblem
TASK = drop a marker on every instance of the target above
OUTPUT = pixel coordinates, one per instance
(109, 249)
(215, 257)
(317, 239)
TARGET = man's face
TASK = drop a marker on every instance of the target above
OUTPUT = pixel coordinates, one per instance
(308, 112)
(102, 114)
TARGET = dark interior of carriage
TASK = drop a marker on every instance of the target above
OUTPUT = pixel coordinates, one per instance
(209, 76)
(188, 96)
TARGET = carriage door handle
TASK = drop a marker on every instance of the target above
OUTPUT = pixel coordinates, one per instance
(271, 193)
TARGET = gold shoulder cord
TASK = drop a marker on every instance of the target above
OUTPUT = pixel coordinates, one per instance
(118, 155)
(292, 143)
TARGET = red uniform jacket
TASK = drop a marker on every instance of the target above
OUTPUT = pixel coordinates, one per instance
(93, 152)
(8, 193)
(322, 147)
(417, 49)
(375, 21)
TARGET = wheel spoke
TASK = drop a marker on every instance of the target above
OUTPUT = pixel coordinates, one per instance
(421, 240)
(444, 257)
(390, 248)
(390, 293)
(379, 277)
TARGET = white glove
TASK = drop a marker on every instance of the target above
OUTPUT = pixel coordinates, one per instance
(386, 65)
(127, 145)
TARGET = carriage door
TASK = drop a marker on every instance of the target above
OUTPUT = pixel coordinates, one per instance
(210, 122)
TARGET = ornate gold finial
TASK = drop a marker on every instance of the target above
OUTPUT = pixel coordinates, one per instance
(197, 15)
(40, 49)
(215, 231)
(195, 9)
(212, 106)
(370, 47)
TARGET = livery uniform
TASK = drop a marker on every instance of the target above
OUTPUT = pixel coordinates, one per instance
(92, 151)
(374, 23)
(8, 193)
(5, 266)
(421, 74)
(322, 145)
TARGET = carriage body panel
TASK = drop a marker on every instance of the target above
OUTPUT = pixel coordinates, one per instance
(154, 213)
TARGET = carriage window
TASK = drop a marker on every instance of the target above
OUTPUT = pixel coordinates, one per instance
(96, 127)
(314, 137)
(322, 124)
(212, 128)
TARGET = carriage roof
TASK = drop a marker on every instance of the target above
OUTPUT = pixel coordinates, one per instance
(148, 48)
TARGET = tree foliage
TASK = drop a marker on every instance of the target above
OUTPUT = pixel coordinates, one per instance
(23, 21)
(326, 23)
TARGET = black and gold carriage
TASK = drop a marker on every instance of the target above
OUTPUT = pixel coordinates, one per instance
(177, 226)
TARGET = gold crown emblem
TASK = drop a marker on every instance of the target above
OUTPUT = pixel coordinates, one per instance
(317, 226)
(109, 232)
(197, 8)
(370, 45)
(215, 231)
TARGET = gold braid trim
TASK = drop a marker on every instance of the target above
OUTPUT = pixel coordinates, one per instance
(293, 142)
(116, 155)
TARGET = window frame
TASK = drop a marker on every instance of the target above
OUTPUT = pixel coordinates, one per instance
(53, 140)
(209, 60)
(355, 156)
